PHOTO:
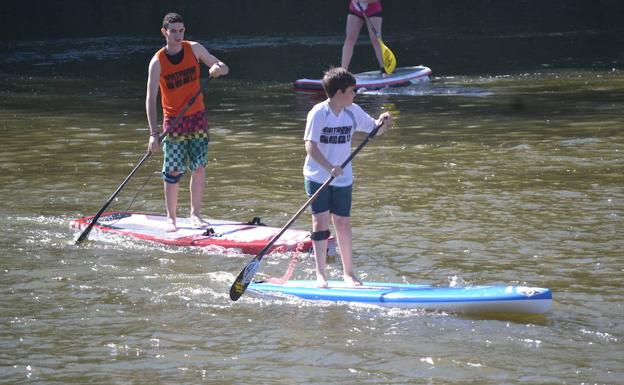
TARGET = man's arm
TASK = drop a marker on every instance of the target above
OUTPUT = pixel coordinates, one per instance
(217, 67)
(150, 103)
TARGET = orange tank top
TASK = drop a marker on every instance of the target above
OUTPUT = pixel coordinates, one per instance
(179, 82)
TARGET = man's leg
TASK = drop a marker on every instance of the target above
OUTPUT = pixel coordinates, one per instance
(197, 186)
(198, 155)
(172, 186)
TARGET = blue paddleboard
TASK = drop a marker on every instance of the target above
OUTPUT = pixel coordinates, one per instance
(481, 299)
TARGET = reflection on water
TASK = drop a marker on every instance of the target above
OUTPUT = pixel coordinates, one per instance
(484, 179)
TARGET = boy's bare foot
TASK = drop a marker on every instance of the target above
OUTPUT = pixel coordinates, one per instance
(171, 227)
(197, 221)
(276, 280)
(321, 282)
(351, 280)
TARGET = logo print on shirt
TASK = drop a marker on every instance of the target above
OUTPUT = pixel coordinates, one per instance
(336, 135)
(180, 78)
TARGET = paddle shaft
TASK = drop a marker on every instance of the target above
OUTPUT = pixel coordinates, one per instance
(387, 57)
(87, 230)
(372, 27)
(240, 283)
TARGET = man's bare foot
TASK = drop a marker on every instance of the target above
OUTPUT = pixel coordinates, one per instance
(351, 280)
(197, 221)
(171, 226)
(321, 282)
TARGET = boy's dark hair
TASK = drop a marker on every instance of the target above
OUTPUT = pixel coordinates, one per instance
(337, 78)
(171, 18)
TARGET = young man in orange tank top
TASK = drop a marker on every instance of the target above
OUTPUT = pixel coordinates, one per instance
(174, 70)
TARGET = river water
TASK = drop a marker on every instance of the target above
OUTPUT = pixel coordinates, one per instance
(505, 177)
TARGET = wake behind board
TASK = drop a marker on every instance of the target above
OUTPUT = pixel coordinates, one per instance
(373, 79)
(470, 299)
(250, 238)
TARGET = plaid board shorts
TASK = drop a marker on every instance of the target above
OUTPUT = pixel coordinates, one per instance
(186, 147)
(180, 155)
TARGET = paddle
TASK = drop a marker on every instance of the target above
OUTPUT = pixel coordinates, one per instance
(389, 61)
(87, 230)
(246, 275)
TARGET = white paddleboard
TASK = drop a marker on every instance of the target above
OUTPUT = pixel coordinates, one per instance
(250, 238)
(374, 79)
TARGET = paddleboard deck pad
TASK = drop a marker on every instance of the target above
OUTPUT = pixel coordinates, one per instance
(374, 79)
(469, 299)
(250, 237)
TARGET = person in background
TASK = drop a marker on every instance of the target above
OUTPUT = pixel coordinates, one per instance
(330, 126)
(355, 21)
(175, 70)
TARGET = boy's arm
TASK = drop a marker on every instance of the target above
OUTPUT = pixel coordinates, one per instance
(217, 67)
(386, 120)
(316, 154)
(366, 123)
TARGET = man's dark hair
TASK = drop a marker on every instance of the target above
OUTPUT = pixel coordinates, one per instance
(337, 78)
(171, 18)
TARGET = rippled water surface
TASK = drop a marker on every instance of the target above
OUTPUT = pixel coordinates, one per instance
(501, 178)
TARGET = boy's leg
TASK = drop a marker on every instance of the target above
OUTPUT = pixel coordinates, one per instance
(341, 217)
(320, 223)
(344, 236)
(320, 228)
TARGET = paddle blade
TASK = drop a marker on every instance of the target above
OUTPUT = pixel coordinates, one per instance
(389, 60)
(83, 236)
(244, 279)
